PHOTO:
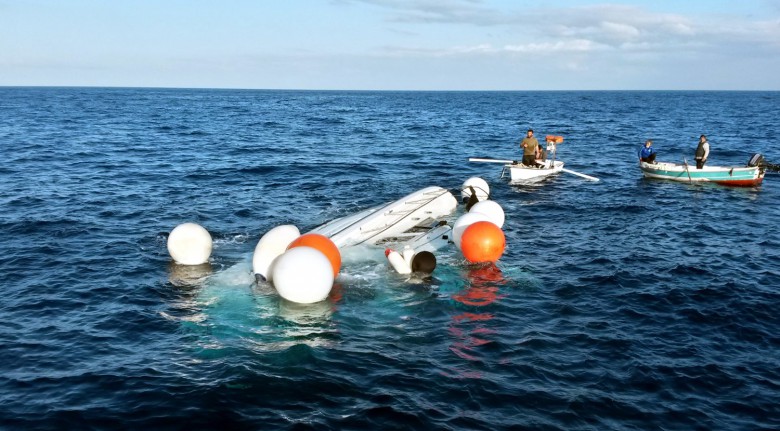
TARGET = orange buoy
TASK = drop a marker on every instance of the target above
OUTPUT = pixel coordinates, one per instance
(323, 244)
(482, 241)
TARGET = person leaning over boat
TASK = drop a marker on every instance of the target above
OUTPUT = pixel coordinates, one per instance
(702, 152)
(529, 146)
(541, 152)
(647, 153)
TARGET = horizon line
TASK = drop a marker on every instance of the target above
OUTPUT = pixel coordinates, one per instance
(377, 90)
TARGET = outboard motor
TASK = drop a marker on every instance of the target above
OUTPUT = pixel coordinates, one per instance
(756, 160)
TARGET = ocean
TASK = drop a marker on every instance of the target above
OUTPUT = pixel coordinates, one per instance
(623, 304)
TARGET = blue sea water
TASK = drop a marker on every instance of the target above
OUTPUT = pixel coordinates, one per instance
(626, 304)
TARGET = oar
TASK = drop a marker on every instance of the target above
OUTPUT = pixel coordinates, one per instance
(587, 177)
(686, 170)
(477, 159)
(484, 160)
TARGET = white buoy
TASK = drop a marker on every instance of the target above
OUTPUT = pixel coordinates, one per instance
(189, 244)
(492, 209)
(397, 262)
(271, 246)
(465, 221)
(303, 275)
(480, 187)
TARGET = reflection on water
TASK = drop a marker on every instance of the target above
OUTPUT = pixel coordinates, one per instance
(188, 275)
(520, 185)
(483, 287)
(288, 324)
(471, 329)
(307, 315)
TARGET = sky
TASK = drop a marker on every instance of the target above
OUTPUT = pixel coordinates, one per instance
(393, 44)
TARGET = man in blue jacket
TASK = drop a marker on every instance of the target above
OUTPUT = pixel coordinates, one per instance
(647, 153)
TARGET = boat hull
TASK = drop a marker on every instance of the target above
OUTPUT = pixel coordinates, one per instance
(520, 172)
(407, 219)
(741, 176)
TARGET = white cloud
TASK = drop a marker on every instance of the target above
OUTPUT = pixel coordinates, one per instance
(574, 45)
(620, 26)
(620, 30)
(438, 11)
(536, 48)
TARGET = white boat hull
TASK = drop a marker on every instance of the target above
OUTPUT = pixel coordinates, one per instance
(428, 240)
(406, 220)
(520, 172)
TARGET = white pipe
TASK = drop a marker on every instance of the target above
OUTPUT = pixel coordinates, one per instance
(477, 159)
(587, 177)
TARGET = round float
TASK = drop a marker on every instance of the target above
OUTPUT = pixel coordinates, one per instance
(271, 246)
(463, 222)
(480, 187)
(492, 209)
(189, 244)
(483, 241)
(303, 275)
(324, 245)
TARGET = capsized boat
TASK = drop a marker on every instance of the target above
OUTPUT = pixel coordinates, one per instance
(413, 220)
(740, 176)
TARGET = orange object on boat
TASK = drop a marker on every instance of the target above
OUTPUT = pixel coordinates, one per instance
(553, 138)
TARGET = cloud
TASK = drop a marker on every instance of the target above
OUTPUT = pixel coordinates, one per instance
(575, 45)
(620, 31)
(470, 12)
(486, 49)
(620, 24)
(615, 25)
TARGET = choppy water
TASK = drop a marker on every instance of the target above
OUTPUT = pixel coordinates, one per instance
(623, 304)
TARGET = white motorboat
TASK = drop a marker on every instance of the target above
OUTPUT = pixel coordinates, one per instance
(413, 220)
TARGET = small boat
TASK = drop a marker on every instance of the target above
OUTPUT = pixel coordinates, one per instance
(739, 176)
(518, 172)
(412, 220)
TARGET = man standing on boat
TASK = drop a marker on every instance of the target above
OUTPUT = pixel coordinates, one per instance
(529, 147)
(702, 152)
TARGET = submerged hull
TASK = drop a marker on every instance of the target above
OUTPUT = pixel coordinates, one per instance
(742, 176)
(408, 219)
(519, 172)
